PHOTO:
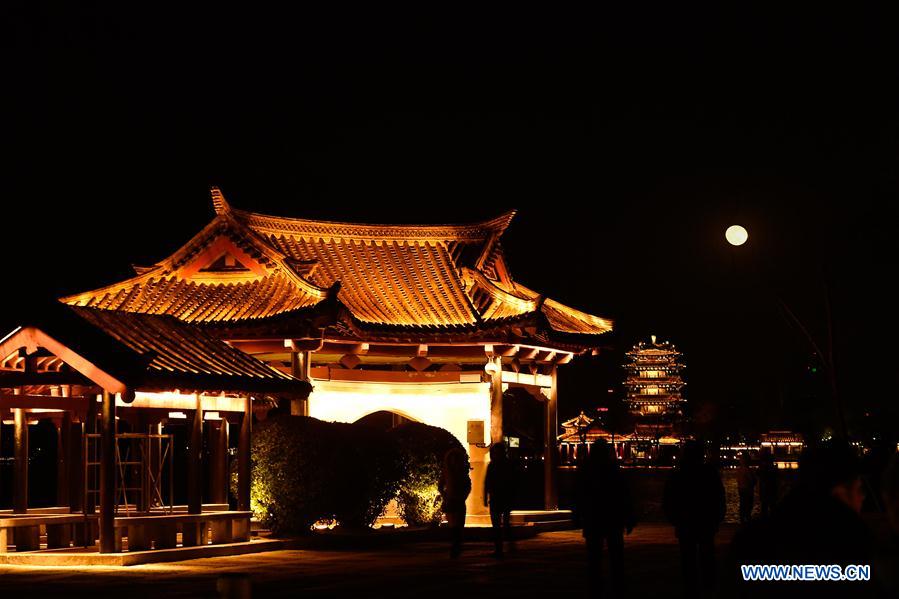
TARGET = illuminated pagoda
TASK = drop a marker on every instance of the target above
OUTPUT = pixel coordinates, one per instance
(653, 385)
(424, 321)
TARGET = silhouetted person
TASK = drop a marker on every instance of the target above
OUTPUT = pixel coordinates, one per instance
(887, 562)
(745, 488)
(499, 488)
(768, 482)
(606, 512)
(695, 504)
(454, 487)
(818, 522)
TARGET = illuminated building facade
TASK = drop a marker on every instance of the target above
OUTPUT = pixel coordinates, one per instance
(422, 321)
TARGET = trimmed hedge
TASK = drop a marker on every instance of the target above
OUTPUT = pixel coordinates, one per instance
(306, 470)
(422, 448)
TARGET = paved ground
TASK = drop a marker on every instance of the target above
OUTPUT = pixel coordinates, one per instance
(552, 564)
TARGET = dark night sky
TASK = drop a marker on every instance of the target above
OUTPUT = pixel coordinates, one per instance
(628, 138)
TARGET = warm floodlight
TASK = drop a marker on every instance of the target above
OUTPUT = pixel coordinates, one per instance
(736, 235)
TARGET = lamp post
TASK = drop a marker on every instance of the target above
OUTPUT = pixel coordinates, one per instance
(736, 235)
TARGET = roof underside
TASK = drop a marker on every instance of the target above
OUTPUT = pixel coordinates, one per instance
(245, 266)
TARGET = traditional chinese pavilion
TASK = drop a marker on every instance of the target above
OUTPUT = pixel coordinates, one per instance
(654, 385)
(422, 321)
(578, 436)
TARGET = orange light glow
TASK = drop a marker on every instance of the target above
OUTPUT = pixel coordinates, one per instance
(447, 406)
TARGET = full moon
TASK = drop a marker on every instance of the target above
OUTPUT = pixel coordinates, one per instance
(736, 235)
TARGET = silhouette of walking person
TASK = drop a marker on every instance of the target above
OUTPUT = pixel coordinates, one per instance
(606, 512)
(454, 487)
(695, 504)
(499, 488)
(818, 522)
(746, 480)
(768, 483)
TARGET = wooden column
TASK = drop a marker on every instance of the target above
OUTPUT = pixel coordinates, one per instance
(107, 474)
(243, 457)
(195, 462)
(496, 401)
(20, 472)
(218, 462)
(550, 459)
(76, 468)
(299, 368)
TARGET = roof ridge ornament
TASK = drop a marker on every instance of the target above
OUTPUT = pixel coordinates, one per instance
(219, 203)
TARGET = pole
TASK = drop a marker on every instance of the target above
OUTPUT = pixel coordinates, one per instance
(550, 494)
(194, 461)
(107, 475)
(496, 401)
(20, 475)
(243, 457)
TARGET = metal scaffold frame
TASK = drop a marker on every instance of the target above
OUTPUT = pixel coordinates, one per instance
(140, 466)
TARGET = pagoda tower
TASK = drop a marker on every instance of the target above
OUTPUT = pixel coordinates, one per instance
(653, 383)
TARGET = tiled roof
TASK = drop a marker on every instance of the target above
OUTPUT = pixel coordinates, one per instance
(199, 301)
(152, 352)
(245, 266)
(409, 282)
(170, 347)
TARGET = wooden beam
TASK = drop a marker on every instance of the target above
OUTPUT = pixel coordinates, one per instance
(31, 339)
(350, 361)
(546, 357)
(420, 363)
(263, 346)
(528, 380)
(20, 378)
(506, 351)
(324, 373)
(528, 353)
(303, 344)
(44, 402)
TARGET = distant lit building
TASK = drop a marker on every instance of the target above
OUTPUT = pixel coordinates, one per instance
(578, 436)
(785, 446)
(654, 385)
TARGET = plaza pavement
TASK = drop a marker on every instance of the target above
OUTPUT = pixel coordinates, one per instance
(549, 565)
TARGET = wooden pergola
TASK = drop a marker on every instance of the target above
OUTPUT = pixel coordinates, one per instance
(89, 370)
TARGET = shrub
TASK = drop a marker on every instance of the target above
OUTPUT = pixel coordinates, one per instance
(368, 471)
(306, 470)
(293, 472)
(421, 449)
